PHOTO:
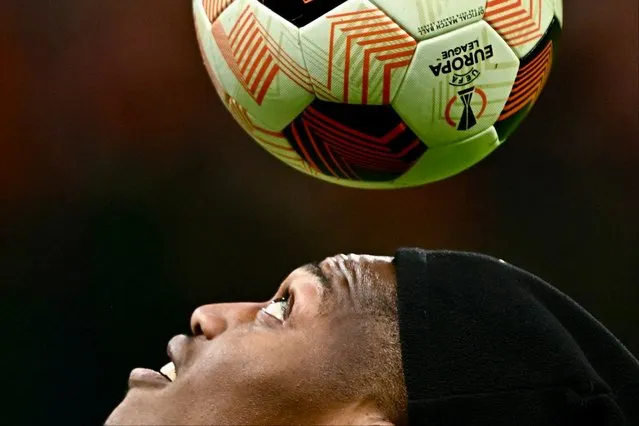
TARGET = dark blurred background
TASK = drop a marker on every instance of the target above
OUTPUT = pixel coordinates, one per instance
(128, 195)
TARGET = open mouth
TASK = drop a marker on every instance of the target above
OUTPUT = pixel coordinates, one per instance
(147, 378)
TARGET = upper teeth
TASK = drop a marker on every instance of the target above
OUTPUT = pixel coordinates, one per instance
(169, 371)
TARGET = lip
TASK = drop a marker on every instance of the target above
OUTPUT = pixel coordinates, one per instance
(175, 350)
(147, 378)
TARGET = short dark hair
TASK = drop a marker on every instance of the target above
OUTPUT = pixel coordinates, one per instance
(383, 375)
(381, 307)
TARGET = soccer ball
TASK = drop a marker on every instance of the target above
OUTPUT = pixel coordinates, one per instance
(378, 93)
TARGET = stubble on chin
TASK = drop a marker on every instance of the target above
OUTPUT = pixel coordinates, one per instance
(133, 410)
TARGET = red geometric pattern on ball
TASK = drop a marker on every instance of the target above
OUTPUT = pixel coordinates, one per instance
(382, 39)
(509, 18)
(255, 57)
(214, 8)
(531, 79)
(273, 142)
(380, 151)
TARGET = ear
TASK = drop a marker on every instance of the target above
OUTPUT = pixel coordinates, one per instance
(376, 421)
(371, 420)
(359, 413)
(364, 415)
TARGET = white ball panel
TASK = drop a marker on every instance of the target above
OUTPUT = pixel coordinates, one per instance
(522, 23)
(424, 19)
(259, 61)
(457, 84)
(356, 54)
(208, 49)
(559, 11)
(446, 161)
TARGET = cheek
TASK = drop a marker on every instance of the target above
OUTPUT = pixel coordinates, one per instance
(264, 370)
(267, 363)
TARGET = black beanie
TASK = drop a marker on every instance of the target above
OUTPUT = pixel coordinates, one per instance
(486, 343)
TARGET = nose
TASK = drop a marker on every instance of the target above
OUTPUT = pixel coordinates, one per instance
(212, 320)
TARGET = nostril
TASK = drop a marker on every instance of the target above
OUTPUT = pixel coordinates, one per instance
(207, 321)
(197, 330)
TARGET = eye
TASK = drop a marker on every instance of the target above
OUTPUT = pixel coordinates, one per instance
(280, 308)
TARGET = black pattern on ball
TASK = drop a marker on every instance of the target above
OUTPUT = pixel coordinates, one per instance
(301, 12)
(355, 142)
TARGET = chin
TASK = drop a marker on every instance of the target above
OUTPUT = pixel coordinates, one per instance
(133, 411)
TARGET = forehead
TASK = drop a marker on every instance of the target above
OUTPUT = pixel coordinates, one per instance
(352, 265)
(370, 280)
(355, 278)
(358, 267)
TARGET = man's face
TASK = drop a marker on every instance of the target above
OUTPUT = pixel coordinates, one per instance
(299, 359)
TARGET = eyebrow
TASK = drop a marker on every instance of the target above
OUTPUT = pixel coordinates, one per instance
(315, 269)
(326, 283)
